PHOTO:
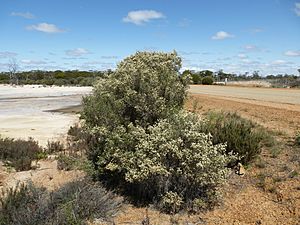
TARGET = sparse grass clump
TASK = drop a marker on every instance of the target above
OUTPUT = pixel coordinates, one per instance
(19, 153)
(297, 138)
(54, 146)
(74, 203)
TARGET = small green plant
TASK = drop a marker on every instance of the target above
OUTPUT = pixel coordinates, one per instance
(208, 80)
(297, 138)
(19, 153)
(260, 163)
(275, 151)
(54, 146)
(65, 162)
(241, 135)
(293, 174)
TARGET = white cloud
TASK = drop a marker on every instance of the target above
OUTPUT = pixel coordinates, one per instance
(252, 48)
(222, 35)
(141, 17)
(279, 62)
(184, 22)
(26, 15)
(256, 30)
(45, 27)
(109, 57)
(77, 52)
(7, 54)
(297, 8)
(292, 53)
(242, 56)
(33, 62)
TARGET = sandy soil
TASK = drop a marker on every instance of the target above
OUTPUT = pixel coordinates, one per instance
(29, 111)
(46, 175)
(273, 95)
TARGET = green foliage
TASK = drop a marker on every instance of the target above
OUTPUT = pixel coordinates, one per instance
(240, 134)
(142, 143)
(74, 203)
(297, 139)
(171, 202)
(74, 77)
(170, 156)
(207, 80)
(65, 162)
(54, 146)
(23, 204)
(196, 79)
(144, 88)
(19, 153)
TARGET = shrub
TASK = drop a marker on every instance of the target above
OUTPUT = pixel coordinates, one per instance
(196, 79)
(54, 146)
(169, 158)
(240, 134)
(208, 80)
(73, 161)
(65, 162)
(82, 200)
(19, 153)
(74, 203)
(142, 143)
(24, 204)
(297, 139)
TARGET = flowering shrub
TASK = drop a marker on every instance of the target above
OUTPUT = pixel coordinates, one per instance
(142, 142)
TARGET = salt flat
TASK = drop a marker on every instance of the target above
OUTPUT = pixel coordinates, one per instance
(24, 110)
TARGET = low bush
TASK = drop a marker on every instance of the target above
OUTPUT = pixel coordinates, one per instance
(65, 162)
(54, 146)
(208, 80)
(297, 139)
(73, 161)
(19, 153)
(24, 204)
(74, 203)
(241, 135)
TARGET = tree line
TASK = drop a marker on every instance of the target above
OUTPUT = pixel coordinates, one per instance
(197, 77)
(58, 77)
(87, 78)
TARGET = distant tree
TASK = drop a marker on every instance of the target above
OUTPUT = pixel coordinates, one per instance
(205, 73)
(255, 75)
(13, 68)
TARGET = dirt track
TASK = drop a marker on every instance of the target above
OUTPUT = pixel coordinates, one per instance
(274, 95)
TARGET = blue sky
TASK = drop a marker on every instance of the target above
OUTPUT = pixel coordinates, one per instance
(234, 35)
